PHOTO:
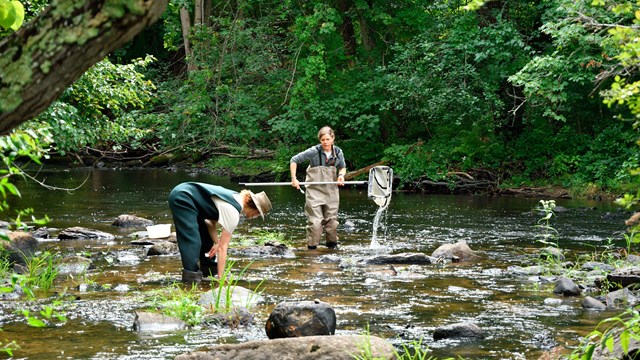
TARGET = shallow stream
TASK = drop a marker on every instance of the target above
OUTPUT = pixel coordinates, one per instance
(520, 317)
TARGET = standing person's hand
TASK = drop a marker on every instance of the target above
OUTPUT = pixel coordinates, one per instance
(293, 167)
(295, 183)
(340, 180)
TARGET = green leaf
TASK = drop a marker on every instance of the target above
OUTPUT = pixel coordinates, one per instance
(610, 343)
(11, 14)
(624, 341)
(35, 322)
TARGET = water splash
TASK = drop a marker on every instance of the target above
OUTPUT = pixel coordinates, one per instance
(380, 184)
(376, 223)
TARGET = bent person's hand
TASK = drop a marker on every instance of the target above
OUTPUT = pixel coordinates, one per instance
(211, 253)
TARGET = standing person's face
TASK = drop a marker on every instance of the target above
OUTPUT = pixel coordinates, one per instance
(326, 141)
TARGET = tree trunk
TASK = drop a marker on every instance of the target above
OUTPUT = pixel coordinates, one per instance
(198, 14)
(43, 58)
(207, 12)
(365, 34)
(185, 20)
(346, 29)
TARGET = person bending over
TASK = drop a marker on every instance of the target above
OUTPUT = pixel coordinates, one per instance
(198, 211)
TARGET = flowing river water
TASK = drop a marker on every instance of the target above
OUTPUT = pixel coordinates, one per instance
(519, 315)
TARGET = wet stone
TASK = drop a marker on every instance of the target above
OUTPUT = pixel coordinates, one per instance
(153, 322)
(593, 304)
(303, 318)
(131, 221)
(458, 331)
(566, 287)
(81, 233)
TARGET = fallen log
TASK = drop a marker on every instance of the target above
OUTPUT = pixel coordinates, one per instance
(364, 170)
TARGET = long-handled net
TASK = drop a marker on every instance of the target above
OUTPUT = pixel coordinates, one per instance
(380, 184)
(380, 189)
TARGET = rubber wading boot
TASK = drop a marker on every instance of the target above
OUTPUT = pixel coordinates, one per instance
(209, 270)
(191, 276)
(332, 245)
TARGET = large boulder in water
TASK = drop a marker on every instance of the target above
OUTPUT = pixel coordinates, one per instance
(304, 318)
(459, 251)
(21, 246)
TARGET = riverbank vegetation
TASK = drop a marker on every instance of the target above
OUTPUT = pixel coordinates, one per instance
(506, 93)
(513, 94)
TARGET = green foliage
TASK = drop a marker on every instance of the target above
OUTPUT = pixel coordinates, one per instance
(245, 162)
(8, 346)
(11, 14)
(48, 316)
(412, 351)
(264, 237)
(506, 86)
(42, 270)
(179, 303)
(5, 266)
(415, 351)
(555, 78)
(412, 162)
(223, 293)
(97, 109)
(22, 146)
(609, 332)
(548, 235)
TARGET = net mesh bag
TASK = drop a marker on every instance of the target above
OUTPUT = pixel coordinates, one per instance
(380, 182)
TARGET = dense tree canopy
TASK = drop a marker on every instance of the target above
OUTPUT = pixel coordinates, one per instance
(528, 91)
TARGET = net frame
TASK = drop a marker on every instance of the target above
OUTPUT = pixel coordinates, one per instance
(380, 185)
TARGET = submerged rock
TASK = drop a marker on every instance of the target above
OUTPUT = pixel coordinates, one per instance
(81, 233)
(268, 250)
(74, 265)
(41, 233)
(402, 258)
(552, 253)
(459, 330)
(131, 221)
(459, 251)
(153, 322)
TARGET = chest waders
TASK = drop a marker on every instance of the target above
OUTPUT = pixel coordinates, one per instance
(190, 205)
(321, 206)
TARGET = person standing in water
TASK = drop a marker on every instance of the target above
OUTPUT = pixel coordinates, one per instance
(198, 211)
(326, 163)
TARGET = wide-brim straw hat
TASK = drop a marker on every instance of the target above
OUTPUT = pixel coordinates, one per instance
(262, 202)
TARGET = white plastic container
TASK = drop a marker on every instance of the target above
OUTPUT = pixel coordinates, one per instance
(159, 231)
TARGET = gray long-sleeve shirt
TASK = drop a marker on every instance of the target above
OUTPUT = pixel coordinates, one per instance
(316, 157)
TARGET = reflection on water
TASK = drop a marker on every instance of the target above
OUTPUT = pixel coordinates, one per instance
(512, 310)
